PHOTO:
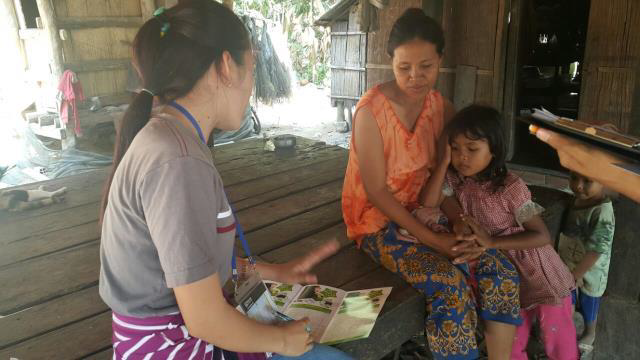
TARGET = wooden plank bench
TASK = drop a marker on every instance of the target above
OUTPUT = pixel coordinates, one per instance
(287, 203)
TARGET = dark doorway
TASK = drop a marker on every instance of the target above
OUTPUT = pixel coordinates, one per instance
(548, 57)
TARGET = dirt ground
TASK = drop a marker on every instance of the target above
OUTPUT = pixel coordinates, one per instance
(307, 113)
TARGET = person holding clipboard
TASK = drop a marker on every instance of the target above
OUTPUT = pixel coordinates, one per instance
(592, 162)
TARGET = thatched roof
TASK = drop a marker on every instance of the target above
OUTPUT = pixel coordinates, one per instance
(339, 11)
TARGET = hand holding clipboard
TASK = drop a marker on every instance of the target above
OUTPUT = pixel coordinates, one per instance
(599, 136)
(592, 161)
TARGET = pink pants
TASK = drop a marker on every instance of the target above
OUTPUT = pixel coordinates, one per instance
(558, 331)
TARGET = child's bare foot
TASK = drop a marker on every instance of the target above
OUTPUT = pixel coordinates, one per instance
(589, 335)
(587, 338)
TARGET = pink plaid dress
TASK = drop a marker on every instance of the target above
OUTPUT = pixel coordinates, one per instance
(544, 279)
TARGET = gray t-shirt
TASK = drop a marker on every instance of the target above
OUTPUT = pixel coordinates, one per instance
(167, 221)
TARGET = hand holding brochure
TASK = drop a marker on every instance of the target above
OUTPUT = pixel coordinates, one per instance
(336, 315)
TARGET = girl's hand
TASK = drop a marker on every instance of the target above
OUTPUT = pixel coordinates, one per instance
(480, 235)
(297, 338)
(468, 250)
(297, 271)
(461, 229)
(442, 243)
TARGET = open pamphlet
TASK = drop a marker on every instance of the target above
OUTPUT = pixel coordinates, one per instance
(336, 315)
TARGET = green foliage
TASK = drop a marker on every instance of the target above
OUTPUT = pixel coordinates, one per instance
(308, 45)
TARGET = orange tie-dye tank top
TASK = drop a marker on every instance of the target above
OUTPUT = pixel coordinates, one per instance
(408, 158)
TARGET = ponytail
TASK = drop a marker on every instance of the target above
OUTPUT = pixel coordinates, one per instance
(134, 119)
(171, 52)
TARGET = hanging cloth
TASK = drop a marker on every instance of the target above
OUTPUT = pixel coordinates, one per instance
(71, 91)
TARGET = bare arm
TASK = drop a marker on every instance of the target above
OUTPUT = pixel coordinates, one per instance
(452, 209)
(431, 195)
(296, 271)
(208, 316)
(535, 235)
(432, 192)
(450, 206)
(589, 259)
(369, 149)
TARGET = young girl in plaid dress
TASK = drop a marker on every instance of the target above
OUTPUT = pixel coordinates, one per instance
(501, 217)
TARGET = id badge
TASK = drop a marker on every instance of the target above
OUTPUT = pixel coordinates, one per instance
(254, 300)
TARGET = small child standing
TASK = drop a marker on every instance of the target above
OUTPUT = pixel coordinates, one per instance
(585, 246)
(502, 217)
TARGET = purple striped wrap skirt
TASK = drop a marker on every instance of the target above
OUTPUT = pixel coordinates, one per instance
(164, 337)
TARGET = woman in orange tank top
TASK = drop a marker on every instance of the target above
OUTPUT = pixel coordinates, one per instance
(396, 129)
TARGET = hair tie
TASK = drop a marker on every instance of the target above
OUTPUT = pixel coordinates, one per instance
(148, 92)
(159, 14)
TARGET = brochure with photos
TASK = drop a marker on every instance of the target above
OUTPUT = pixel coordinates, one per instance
(336, 315)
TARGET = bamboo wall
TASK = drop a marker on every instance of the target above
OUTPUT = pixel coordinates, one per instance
(610, 91)
(97, 43)
(473, 39)
(378, 62)
(348, 59)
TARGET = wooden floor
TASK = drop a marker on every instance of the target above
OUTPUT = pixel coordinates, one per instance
(287, 203)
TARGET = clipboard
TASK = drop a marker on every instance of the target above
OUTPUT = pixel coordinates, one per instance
(605, 139)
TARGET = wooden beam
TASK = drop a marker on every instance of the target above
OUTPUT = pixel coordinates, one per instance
(99, 22)
(50, 27)
(353, 68)
(14, 56)
(483, 72)
(344, 33)
(97, 65)
(465, 87)
(499, 59)
(512, 61)
(19, 13)
(114, 99)
(27, 34)
(147, 7)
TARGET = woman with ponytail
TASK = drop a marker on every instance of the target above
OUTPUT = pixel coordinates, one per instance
(167, 227)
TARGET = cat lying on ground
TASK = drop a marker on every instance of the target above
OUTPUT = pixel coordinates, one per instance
(20, 200)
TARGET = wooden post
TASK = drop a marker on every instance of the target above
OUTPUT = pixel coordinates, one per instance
(365, 15)
(147, 7)
(349, 115)
(228, 3)
(14, 54)
(499, 59)
(465, 86)
(341, 125)
(512, 59)
(51, 29)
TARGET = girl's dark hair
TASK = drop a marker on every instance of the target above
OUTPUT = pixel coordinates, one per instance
(478, 122)
(171, 52)
(415, 24)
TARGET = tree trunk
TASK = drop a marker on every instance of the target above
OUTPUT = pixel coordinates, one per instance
(314, 46)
